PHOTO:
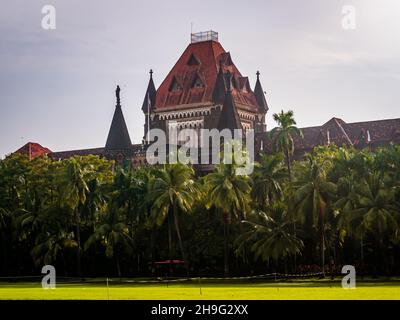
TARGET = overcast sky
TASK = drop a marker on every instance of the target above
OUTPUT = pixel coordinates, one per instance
(57, 87)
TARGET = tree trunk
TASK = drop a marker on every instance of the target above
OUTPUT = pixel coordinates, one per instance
(152, 253)
(178, 232)
(78, 240)
(226, 248)
(362, 255)
(118, 266)
(64, 265)
(169, 243)
(288, 163)
(322, 245)
(295, 254)
(4, 254)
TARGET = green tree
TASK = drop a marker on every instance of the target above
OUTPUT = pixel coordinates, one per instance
(5, 222)
(313, 194)
(113, 234)
(173, 192)
(268, 178)
(75, 191)
(230, 194)
(282, 136)
(376, 209)
(269, 235)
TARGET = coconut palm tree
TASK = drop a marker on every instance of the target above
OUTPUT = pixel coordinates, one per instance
(376, 209)
(113, 234)
(5, 221)
(282, 136)
(95, 202)
(230, 194)
(268, 177)
(75, 190)
(312, 196)
(131, 191)
(269, 235)
(173, 192)
(49, 246)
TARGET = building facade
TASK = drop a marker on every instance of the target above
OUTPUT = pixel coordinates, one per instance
(205, 90)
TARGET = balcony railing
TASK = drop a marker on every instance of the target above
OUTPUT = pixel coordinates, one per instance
(203, 36)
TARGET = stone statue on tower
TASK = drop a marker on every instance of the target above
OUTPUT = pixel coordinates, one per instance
(117, 94)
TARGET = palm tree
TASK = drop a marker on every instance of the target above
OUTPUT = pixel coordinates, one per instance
(313, 193)
(95, 202)
(229, 193)
(113, 234)
(131, 190)
(173, 191)
(267, 179)
(5, 221)
(283, 136)
(376, 209)
(48, 246)
(269, 235)
(131, 193)
(349, 224)
(75, 196)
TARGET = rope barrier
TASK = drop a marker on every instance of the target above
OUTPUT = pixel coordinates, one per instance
(268, 276)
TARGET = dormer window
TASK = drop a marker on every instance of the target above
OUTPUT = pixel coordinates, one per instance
(175, 86)
(226, 59)
(198, 83)
(244, 84)
(193, 61)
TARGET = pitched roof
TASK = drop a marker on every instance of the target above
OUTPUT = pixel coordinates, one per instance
(136, 149)
(379, 132)
(202, 60)
(118, 136)
(71, 153)
(150, 93)
(359, 134)
(33, 150)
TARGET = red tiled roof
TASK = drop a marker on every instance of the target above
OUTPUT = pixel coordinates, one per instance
(71, 153)
(136, 149)
(33, 150)
(380, 132)
(200, 62)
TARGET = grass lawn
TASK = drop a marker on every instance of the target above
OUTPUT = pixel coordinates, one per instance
(299, 289)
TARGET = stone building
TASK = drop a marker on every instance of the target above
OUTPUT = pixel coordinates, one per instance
(205, 90)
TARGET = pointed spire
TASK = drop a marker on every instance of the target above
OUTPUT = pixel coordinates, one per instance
(118, 136)
(229, 118)
(260, 96)
(150, 94)
(220, 87)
